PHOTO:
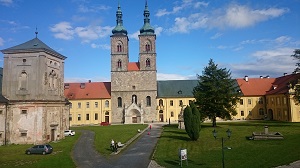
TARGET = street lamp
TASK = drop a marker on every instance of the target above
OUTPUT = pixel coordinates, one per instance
(228, 137)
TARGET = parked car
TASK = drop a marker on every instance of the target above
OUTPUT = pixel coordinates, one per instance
(39, 149)
(69, 133)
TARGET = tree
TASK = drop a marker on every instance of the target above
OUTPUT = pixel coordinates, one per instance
(216, 93)
(192, 121)
(295, 84)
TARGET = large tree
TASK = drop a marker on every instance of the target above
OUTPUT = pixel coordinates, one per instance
(295, 84)
(192, 121)
(216, 93)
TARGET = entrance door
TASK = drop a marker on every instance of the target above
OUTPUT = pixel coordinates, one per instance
(161, 117)
(134, 119)
(52, 134)
(107, 119)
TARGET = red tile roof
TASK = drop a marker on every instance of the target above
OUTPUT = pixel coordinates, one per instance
(255, 86)
(133, 66)
(281, 84)
(90, 90)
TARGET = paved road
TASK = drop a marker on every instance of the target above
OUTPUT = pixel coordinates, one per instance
(136, 154)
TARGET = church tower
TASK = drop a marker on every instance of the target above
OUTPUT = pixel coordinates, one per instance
(133, 84)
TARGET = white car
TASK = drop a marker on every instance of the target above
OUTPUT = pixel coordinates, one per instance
(69, 133)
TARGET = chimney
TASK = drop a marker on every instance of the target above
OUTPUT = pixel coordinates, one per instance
(261, 77)
(246, 78)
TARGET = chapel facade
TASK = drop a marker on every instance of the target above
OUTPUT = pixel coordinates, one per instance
(133, 84)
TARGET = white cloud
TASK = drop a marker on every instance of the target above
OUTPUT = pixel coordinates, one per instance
(217, 35)
(6, 2)
(266, 62)
(102, 46)
(1, 41)
(134, 35)
(162, 76)
(63, 30)
(282, 39)
(158, 31)
(199, 4)
(85, 9)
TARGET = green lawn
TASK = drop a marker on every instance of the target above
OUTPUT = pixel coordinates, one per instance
(206, 152)
(14, 155)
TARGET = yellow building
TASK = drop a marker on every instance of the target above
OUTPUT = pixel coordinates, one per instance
(90, 102)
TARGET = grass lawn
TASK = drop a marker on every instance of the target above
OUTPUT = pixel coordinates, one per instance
(104, 135)
(207, 152)
(14, 155)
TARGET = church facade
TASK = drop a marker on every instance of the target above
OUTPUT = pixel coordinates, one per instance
(33, 108)
(133, 84)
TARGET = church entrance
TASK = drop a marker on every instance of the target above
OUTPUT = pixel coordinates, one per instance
(52, 134)
(135, 116)
(161, 115)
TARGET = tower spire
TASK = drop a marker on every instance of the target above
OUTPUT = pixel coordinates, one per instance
(147, 28)
(36, 32)
(119, 29)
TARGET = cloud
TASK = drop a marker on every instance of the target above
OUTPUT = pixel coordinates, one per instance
(217, 35)
(134, 35)
(6, 2)
(233, 16)
(162, 76)
(1, 41)
(86, 9)
(65, 31)
(102, 46)
(266, 62)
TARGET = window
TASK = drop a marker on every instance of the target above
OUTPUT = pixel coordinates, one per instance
(0, 135)
(148, 100)
(96, 104)
(23, 81)
(119, 64)
(79, 105)
(284, 100)
(172, 114)
(171, 103)
(1, 111)
(147, 62)
(249, 101)
(250, 112)
(134, 99)
(96, 116)
(119, 48)
(241, 101)
(160, 102)
(180, 103)
(87, 104)
(106, 113)
(119, 102)
(272, 100)
(79, 117)
(24, 112)
(260, 100)
(242, 113)
(261, 111)
(24, 60)
(106, 103)
(70, 105)
(87, 116)
(278, 101)
(70, 117)
(23, 134)
(147, 47)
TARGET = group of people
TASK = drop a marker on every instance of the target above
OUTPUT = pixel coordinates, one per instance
(114, 146)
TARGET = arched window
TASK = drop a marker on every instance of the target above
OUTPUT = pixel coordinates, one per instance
(160, 102)
(106, 113)
(106, 103)
(147, 62)
(119, 102)
(119, 64)
(147, 47)
(119, 48)
(148, 100)
(172, 114)
(23, 81)
(134, 99)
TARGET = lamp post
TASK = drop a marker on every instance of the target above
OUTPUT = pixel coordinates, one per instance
(223, 139)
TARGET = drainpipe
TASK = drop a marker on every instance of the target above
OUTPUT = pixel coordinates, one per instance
(5, 124)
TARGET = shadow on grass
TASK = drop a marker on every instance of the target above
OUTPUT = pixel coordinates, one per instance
(184, 162)
(177, 137)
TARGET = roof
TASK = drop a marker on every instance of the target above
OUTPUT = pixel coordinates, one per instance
(89, 90)
(176, 88)
(133, 66)
(255, 86)
(281, 84)
(34, 45)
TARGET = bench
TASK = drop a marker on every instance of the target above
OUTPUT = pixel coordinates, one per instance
(104, 123)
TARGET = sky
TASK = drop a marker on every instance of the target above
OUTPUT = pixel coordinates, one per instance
(253, 38)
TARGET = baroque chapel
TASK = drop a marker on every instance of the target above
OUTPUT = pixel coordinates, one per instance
(133, 84)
